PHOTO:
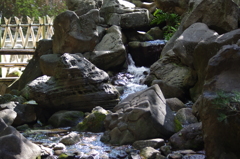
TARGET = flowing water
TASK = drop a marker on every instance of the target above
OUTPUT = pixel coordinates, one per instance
(134, 84)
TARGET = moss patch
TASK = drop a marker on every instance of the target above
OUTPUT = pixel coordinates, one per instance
(178, 125)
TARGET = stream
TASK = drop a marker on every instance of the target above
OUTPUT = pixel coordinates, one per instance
(90, 145)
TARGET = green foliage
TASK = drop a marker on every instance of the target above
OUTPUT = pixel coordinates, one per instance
(227, 105)
(178, 125)
(31, 8)
(172, 22)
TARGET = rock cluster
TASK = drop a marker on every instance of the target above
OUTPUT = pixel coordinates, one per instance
(70, 74)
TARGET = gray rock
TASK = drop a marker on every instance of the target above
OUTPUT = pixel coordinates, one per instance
(154, 143)
(134, 35)
(170, 91)
(175, 104)
(142, 115)
(94, 121)
(176, 67)
(8, 115)
(201, 56)
(190, 137)
(48, 63)
(172, 72)
(205, 12)
(33, 69)
(70, 139)
(14, 145)
(219, 104)
(65, 118)
(73, 34)
(119, 13)
(156, 33)
(185, 116)
(184, 45)
(166, 150)
(110, 53)
(25, 114)
(83, 6)
(75, 83)
(151, 153)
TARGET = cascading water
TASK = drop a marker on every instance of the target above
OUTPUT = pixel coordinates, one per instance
(134, 84)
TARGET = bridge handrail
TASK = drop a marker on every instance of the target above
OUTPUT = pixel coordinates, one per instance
(14, 32)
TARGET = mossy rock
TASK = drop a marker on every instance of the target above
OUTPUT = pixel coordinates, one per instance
(94, 121)
(66, 118)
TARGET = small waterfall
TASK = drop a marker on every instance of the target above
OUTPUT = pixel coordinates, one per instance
(134, 85)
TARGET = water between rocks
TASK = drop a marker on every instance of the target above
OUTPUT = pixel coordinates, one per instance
(90, 144)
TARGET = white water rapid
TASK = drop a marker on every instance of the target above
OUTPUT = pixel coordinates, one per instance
(134, 84)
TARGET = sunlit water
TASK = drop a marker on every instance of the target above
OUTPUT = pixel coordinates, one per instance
(139, 73)
(90, 145)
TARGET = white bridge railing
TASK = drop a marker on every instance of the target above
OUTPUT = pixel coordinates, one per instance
(18, 41)
(14, 37)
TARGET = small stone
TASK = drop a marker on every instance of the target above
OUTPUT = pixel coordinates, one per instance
(166, 149)
(175, 156)
(59, 146)
(155, 143)
(70, 139)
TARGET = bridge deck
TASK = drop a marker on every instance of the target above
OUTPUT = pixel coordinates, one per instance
(17, 51)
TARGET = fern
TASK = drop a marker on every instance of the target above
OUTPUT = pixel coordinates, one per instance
(172, 22)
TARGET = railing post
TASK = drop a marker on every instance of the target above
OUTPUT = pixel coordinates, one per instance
(1, 39)
(1, 30)
(44, 27)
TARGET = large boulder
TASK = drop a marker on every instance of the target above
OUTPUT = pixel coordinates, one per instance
(75, 34)
(179, 66)
(190, 137)
(172, 72)
(124, 14)
(110, 52)
(218, 105)
(204, 51)
(14, 145)
(142, 115)
(25, 114)
(83, 6)
(49, 61)
(75, 84)
(205, 11)
(93, 122)
(184, 45)
(65, 118)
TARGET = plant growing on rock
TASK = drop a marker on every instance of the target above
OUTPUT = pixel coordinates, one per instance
(227, 105)
(172, 22)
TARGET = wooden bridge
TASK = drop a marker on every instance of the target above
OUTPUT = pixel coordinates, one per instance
(18, 42)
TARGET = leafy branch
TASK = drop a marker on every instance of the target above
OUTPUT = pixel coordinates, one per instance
(228, 105)
(172, 22)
